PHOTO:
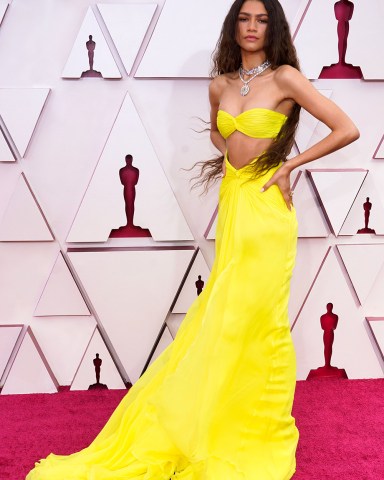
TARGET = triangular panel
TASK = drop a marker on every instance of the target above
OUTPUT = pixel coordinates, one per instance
(127, 25)
(370, 21)
(297, 20)
(310, 257)
(20, 108)
(30, 372)
(294, 11)
(6, 154)
(132, 292)
(61, 295)
(379, 153)
(363, 264)
(352, 347)
(79, 62)
(23, 219)
(3, 9)
(376, 325)
(8, 338)
(191, 57)
(189, 291)
(309, 213)
(64, 341)
(374, 304)
(103, 207)
(307, 126)
(336, 191)
(312, 32)
(174, 322)
(367, 213)
(165, 340)
(210, 233)
(86, 376)
(187, 52)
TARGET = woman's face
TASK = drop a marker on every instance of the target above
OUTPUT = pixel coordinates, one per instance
(252, 24)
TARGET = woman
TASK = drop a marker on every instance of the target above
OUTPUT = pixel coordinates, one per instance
(216, 404)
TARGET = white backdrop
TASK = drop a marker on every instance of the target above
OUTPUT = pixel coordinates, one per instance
(62, 144)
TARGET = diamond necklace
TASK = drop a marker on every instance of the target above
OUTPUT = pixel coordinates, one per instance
(255, 72)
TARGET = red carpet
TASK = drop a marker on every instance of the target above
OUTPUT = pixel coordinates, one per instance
(341, 427)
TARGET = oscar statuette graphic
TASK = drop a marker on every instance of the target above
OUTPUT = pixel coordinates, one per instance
(343, 12)
(97, 386)
(329, 323)
(129, 177)
(199, 285)
(367, 212)
(91, 46)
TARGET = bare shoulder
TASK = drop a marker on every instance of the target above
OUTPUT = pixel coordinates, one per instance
(293, 83)
(217, 87)
(286, 75)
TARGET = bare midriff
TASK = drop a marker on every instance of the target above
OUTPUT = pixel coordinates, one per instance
(242, 149)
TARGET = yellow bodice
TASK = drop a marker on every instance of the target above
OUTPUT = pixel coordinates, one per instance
(255, 123)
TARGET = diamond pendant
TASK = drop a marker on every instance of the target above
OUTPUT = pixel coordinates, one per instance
(244, 89)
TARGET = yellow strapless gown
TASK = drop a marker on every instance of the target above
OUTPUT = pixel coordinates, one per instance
(216, 404)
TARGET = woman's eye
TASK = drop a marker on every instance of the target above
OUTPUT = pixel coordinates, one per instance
(243, 19)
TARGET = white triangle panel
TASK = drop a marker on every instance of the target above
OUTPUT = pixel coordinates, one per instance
(374, 305)
(127, 25)
(165, 341)
(352, 348)
(370, 21)
(174, 322)
(132, 292)
(308, 210)
(8, 337)
(337, 190)
(293, 153)
(23, 220)
(363, 264)
(376, 325)
(6, 154)
(307, 125)
(3, 9)
(78, 61)
(294, 11)
(64, 341)
(210, 233)
(25, 267)
(379, 153)
(189, 291)
(103, 206)
(356, 217)
(61, 295)
(29, 372)
(9, 176)
(20, 109)
(311, 254)
(312, 32)
(187, 52)
(85, 375)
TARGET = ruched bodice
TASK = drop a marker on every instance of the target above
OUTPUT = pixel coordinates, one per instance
(255, 123)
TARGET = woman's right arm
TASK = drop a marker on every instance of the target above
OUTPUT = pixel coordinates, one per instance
(215, 90)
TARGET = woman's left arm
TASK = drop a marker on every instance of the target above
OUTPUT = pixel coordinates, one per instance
(343, 131)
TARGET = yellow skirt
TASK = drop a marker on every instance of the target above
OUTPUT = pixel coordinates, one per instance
(216, 404)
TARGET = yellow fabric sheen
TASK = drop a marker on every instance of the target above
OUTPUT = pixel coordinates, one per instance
(216, 404)
(255, 123)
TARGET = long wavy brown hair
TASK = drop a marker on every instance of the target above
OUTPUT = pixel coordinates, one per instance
(226, 58)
